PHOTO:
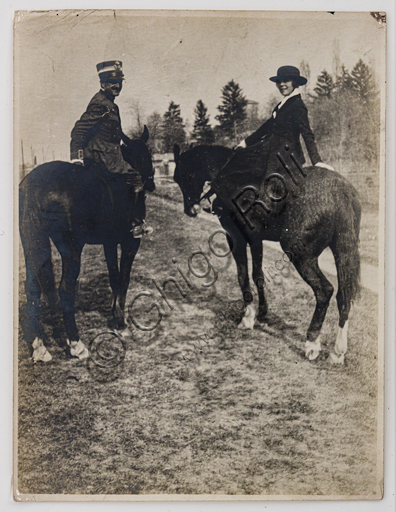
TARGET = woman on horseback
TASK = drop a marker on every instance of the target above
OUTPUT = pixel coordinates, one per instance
(289, 118)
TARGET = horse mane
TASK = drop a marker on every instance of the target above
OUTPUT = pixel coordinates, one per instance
(244, 165)
(204, 161)
(137, 149)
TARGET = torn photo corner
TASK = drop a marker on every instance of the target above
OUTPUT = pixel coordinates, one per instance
(199, 255)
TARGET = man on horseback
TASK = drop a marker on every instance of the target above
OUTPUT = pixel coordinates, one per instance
(97, 135)
(289, 118)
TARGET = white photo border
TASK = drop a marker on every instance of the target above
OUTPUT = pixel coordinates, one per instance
(6, 246)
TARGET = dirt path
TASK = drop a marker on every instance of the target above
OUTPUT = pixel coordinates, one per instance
(247, 415)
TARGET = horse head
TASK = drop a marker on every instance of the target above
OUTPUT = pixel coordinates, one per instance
(138, 155)
(190, 174)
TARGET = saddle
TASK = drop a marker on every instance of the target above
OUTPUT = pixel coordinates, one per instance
(268, 167)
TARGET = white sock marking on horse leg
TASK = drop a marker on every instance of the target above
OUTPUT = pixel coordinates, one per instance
(78, 349)
(124, 333)
(341, 345)
(313, 348)
(40, 353)
(248, 319)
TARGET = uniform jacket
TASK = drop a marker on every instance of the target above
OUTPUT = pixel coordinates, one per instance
(98, 133)
(290, 122)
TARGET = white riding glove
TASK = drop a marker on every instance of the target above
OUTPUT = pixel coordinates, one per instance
(77, 161)
(324, 166)
(242, 145)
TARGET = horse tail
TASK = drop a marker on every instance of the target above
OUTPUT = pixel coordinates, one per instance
(345, 248)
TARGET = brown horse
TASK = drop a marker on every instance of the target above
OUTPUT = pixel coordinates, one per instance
(264, 194)
(74, 205)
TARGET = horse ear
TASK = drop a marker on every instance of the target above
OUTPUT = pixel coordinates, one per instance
(125, 139)
(145, 135)
(176, 152)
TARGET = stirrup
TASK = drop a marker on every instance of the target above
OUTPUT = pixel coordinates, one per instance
(207, 205)
(141, 230)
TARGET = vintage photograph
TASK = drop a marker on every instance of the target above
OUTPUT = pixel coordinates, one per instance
(199, 255)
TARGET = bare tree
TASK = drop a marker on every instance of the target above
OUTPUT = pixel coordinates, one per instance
(305, 71)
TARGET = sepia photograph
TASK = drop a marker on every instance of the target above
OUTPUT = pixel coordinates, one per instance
(199, 255)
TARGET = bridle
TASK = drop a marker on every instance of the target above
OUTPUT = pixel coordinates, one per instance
(210, 192)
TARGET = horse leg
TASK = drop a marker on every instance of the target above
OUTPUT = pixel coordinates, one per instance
(34, 332)
(47, 282)
(37, 251)
(240, 256)
(346, 256)
(71, 261)
(258, 277)
(110, 251)
(309, 270)
(344, 306)
(128, 253)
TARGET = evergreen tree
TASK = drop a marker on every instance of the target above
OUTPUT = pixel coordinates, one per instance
(363, 82)
(173, 131)
(202, 131)
(324, 85)
(344, 80)
(347, 125)
(232, 110)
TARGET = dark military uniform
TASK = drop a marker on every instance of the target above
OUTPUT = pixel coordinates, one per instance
(290, 121)
(98, 134)
(96, 139)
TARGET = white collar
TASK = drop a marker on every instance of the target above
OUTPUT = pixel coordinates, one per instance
(296, 92)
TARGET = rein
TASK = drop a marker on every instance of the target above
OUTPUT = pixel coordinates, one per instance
(210, 192)
(235, 151)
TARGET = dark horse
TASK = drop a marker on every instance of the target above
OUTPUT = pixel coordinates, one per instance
(305, 209)
(74, 205)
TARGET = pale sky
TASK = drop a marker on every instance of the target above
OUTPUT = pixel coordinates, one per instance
(173, 55)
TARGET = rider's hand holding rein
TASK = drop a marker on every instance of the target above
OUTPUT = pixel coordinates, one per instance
(241, 145)
(325, 166)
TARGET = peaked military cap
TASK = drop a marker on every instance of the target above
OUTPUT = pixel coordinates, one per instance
(110, 70)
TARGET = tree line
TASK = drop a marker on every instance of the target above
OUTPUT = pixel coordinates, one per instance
(236, 115)
(343, 110)
(345, 116)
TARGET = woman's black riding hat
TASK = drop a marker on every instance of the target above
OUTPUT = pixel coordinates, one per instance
(286, 73)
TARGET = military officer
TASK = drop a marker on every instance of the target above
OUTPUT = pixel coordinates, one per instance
(96, 138)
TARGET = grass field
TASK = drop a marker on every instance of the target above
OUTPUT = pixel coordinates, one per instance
(249, 415)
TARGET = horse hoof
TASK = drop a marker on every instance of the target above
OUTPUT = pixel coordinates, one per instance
(40, 353)
(124, 333)
(78, 349)
(337, 359)
(312, 350)
(262, 318)
(249, 319)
